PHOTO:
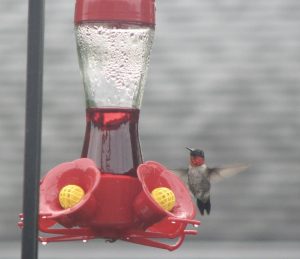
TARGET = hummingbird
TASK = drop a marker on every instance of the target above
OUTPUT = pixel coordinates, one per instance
(199, 177)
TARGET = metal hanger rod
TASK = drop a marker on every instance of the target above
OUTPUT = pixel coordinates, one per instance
(32, 153)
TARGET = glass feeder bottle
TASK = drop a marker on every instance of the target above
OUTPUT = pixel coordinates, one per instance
(114, 40)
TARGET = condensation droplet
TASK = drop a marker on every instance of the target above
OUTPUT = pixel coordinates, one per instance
(118, 56)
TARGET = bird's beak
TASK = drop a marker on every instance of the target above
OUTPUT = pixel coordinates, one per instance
(190, 149)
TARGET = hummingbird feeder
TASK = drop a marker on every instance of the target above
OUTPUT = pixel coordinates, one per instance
(110, 192)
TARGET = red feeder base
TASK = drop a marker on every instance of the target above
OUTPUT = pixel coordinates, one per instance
(115, 206)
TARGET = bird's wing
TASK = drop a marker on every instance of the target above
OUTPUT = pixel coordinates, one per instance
(219, 173)
(182, 173)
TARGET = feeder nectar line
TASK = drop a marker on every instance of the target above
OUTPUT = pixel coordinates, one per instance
(110, 193)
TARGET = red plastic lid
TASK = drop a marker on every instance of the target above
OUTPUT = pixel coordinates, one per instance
(135, 11)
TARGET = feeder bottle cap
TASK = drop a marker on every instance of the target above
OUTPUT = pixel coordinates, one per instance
(131, 11)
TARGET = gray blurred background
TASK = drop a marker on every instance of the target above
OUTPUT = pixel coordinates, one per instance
(224, 76)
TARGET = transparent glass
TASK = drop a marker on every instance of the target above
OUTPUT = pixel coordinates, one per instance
(114, 59)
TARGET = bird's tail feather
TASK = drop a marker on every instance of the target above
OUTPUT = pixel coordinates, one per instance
(204, 206)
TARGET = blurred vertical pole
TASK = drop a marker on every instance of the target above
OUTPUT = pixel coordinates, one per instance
(34, 84)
